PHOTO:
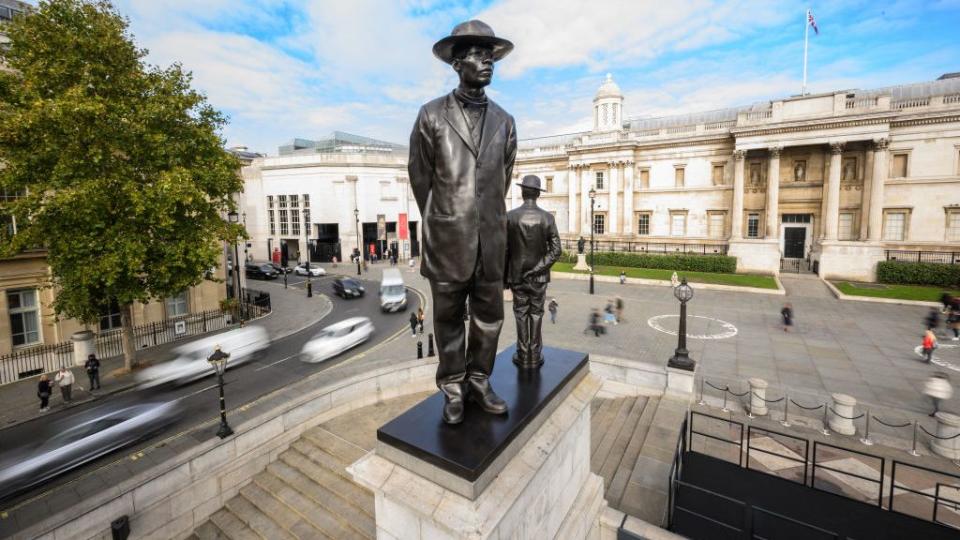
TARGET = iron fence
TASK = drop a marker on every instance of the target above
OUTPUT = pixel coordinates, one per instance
(35, 360)
(653, 248)
(943, 257)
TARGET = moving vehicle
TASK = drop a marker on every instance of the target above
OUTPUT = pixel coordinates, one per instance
(71, 441)
(280, 269)
(348, 288)
(260, 271)
(315, 270)
(393, 294)
(337, 338)
(242, 344)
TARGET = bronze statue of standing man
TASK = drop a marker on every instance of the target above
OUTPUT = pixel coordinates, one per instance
(462, 150)
(533, 245)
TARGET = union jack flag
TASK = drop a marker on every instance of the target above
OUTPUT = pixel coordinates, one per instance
(812, 22)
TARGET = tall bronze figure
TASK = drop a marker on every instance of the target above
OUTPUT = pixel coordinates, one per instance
(533, 245)
(462, 151)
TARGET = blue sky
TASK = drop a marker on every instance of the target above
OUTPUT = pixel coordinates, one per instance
(282, 68)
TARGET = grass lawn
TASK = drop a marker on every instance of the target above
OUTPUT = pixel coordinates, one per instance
(737, 280)
(925, 293)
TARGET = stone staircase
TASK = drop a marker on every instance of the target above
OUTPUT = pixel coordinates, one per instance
(306, 493)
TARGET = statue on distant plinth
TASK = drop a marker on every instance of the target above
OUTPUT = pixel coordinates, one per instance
(533, 245)
(581, 243)
(462, 151)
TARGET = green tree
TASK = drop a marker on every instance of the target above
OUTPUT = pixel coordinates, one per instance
(121, 165)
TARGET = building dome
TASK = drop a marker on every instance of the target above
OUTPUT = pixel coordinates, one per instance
(608, 89)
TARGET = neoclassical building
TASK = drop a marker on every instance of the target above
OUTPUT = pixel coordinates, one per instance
(833, 182)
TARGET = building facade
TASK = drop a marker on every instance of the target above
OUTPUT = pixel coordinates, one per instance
(328, 198)
(837, 181)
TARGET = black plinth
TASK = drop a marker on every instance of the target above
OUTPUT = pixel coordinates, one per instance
(467, 449)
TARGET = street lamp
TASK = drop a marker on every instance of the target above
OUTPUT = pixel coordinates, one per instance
(306, 233)
(681, 357)
(593, 226)
(234, 218)
(356, 215)
(219, 362)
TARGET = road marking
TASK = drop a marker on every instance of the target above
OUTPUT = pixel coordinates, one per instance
(728, 330)
(261, 368)
(936, 359)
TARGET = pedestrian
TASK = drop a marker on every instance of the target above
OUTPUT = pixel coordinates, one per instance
(787, 314)
(65, 381)
(413, 324)
(946, 300)
(932, 320)
(928, 345)
(552, 308)
(412, 263)
(334, 261)
(43, 392)
(618, 309)
(953, 321)
(674, 280)
(420, 318)
(623, 277)
(93, 371)
(938, 388)
(608, 316)
(593, 324)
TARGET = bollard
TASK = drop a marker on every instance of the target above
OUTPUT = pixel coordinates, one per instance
(758, 394)
(309, 289)
(419, 349)
(866, 431)
(725, 409)
(841, 421)
(913, 448)
(786, 407)
(947, 441)
(825, 430)
(430, 345)
(701, 402)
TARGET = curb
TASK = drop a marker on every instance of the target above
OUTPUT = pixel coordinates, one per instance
(853, 298)
(779, 291)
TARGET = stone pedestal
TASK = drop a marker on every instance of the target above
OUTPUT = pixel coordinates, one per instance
(537, 484)
(844, 407)
(948, 425)
(83, 346)
(680, 383)
(581, 263)
(758, 392)
(849, 260)
(756, 256)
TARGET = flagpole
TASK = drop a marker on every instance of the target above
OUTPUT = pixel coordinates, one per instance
(806, 33)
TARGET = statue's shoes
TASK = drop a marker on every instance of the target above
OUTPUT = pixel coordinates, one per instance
(480, 391)
(452, 403)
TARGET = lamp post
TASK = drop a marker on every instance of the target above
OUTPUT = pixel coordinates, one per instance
(356, 216)
(681, 357)
(306, 234)
(234, 218)
(593, 196)
(219, 361)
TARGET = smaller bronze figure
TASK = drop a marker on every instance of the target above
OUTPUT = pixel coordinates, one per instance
(581, 243)
(533, 245)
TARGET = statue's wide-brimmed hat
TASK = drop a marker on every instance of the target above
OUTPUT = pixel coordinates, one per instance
(531, 181)
(471, 32)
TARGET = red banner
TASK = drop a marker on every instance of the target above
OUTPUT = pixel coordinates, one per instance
(402, 227)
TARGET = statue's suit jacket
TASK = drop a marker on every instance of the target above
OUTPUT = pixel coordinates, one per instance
(533, 244)
(460, 189)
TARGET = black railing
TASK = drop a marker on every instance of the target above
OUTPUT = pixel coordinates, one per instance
(791, 265)
(943, 257)
(653, 248)
(34, 361)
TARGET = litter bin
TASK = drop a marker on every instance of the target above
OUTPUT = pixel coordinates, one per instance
(120, 528)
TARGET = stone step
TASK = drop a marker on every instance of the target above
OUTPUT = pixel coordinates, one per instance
(618, 456)
(208, 531)
(600, 422)
(349, 491)
(618, 484)
(335, 445)
(348, 514)
(322, 457)
(257, 518)
(611, 430)
(232, 527)
(316, 519)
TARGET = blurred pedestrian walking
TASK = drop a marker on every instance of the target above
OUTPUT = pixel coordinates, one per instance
(420, 318)
(93, 371)
(932, 320)
(928, 345)
(552, 308)
(953, 320)
(618, 309)
(787, 315)
(593, 323)
(44, 389)
(608, 316)
(413, 324)
(65, 381)
(938, 388)
(623, 277)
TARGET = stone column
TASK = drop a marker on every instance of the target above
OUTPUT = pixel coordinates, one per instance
(758, 392)
(876, 189)
(844, 406)
(627, 198)
(833, 192)
(773, 194)
(572, 186)
(736, 214)
(865, 190)
(585, 184)
(613, 203)
(948, 425)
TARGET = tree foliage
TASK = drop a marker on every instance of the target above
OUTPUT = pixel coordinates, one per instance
(122, 167)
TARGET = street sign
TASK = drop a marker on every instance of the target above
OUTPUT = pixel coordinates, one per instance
(180, 328)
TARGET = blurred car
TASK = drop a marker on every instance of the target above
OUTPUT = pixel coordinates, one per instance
(260, 271)
(393, 293)
(280, 269)
(315, 271)
(337, 338)
(242, 344)
(348, 288)
(66, 443)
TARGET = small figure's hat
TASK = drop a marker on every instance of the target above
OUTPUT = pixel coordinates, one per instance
(531, 181)
(474, 32)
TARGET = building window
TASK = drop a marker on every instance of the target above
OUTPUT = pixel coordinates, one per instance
(273, 223)
(599, 222)
(294, 201)
(282, 201)
(177, 305)
(110, 316)
(643, 224)
(899, 166)
(678, 176)
(549, 184)
(599, 181)
(644, 178)
(678, 223)
(306, 200)
(753, 225)
(306, 223)
(718, 175)
(387, 191)
(284, 223)
(716, 223)
(24, 313)
(295, 222)
(845, 226)
(895, 225)
(848, 169)
(953, 225)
